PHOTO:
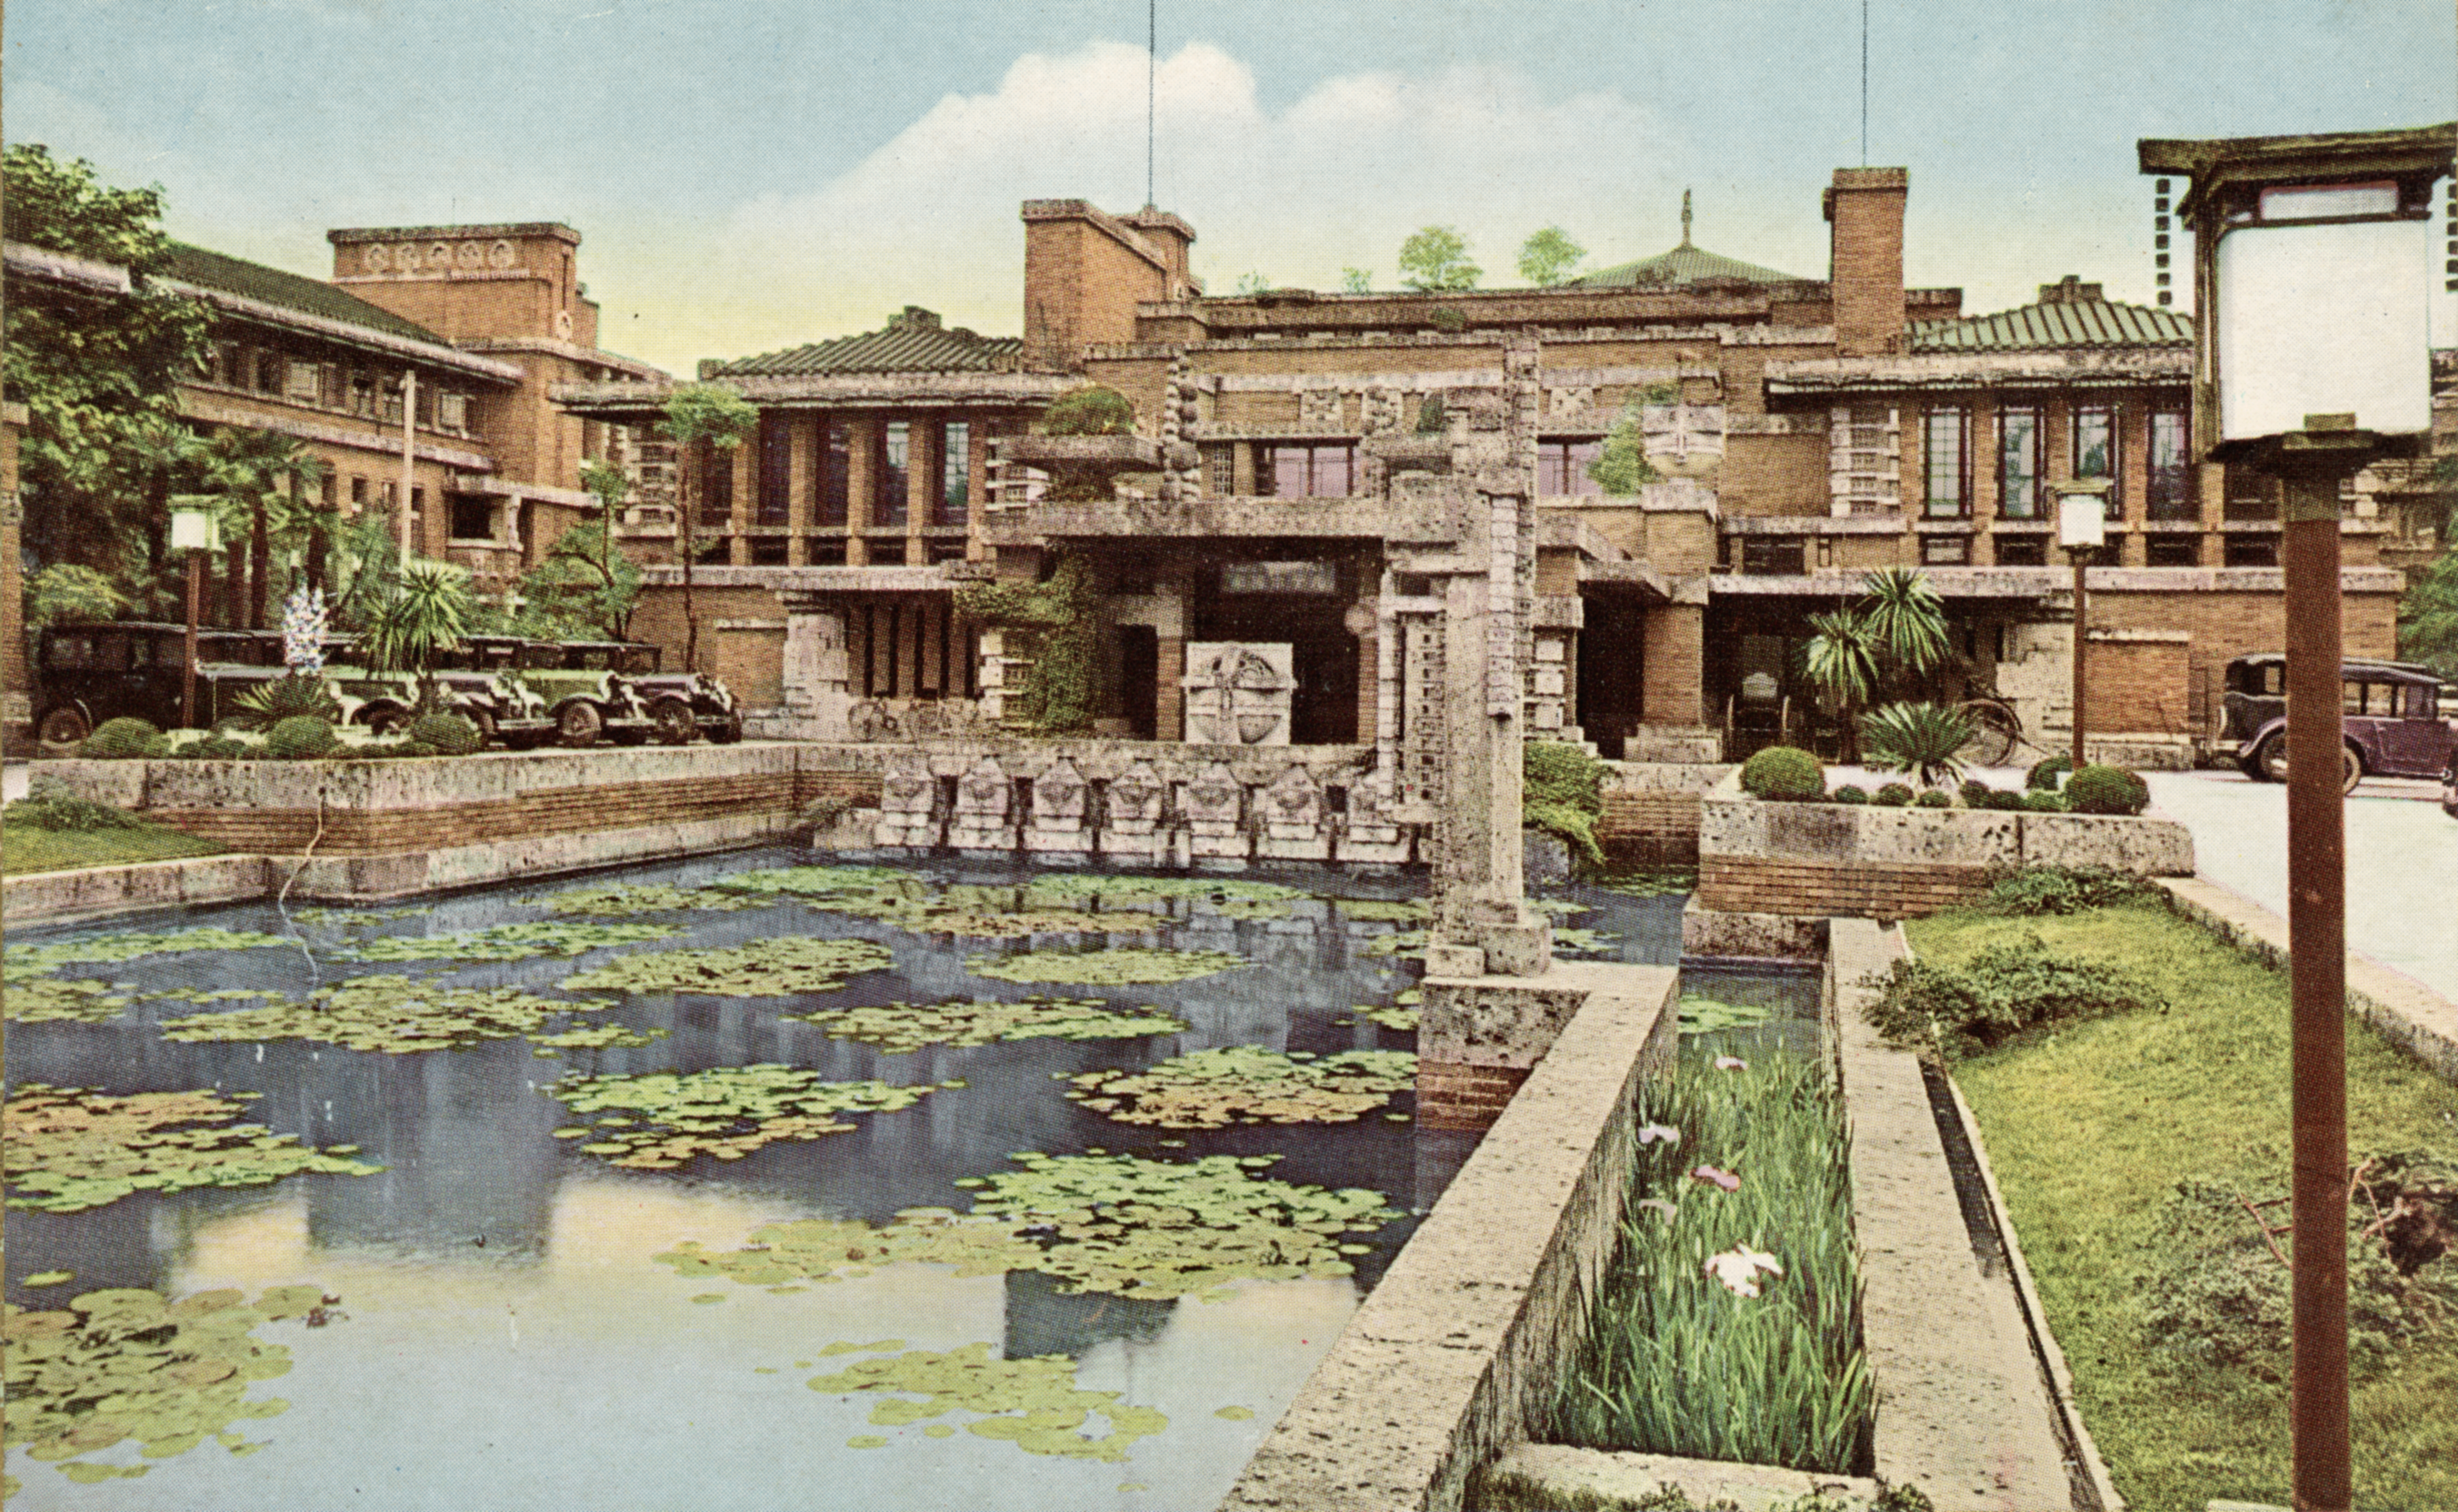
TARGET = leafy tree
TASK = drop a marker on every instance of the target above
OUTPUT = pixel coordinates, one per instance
(1356, 281)
(1435, 259)
(92, 369)
(2427, 617)
(717, 414)
(1621, 466)
(1252, 283)
(271, 487)
(581, 589)
(1549, 257)
(67, 592)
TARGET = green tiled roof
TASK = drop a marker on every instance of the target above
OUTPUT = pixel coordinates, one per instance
(254, 280)
(912, 342)
(1683, 264)
(2070, 317)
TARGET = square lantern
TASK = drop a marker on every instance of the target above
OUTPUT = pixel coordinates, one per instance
(2082, 514)
(194, 523)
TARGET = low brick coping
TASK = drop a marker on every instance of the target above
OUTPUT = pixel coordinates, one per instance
(1457, 1348)
(2415, 1017)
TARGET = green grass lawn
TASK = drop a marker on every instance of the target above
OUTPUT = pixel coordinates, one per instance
(2089, 1128)
(25, 848)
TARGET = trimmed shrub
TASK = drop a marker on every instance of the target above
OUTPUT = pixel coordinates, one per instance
(1893, 796)
(2047, 773)
(415, 747)
(1933, 798)
(2043, 800)
(1976, 793)
(1849, 794)
(452, 733)
(156, 747)
(2004, 990)
(2106, 790)
(218, 748)
(2002, 801)
(1091, 410)
(2064, 890)
(56, 810)
(1563, 793)
(301, 736)
(268, 703)
(1782, 773)
(119, 740)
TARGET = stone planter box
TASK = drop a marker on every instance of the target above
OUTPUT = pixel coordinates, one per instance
(1823, 859)
(1121, 453)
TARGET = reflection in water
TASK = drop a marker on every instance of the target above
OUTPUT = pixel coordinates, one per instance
(510, 1339)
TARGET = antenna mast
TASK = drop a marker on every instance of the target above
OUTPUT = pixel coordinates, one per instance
(1152, 70)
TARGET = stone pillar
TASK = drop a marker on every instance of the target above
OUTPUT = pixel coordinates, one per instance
(862, 456)
(1130, 828)
(1673, 643)
(816, 672)
(802, 482)
(985, 819)
(1059, 828)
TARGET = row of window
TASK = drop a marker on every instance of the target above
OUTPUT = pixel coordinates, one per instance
(821, 551)
(896, 447)
(1328, 470)
(2092, 452)
(1788, 555)
(330, 385)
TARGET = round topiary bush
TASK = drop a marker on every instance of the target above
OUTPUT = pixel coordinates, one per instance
(2040, 801)
(450, 733)
(301, 736)
(1932, 799)
(1893, 796)
(1976, 793)
(2002, 801)
(1091, 410)
(2106, 790)
(119, 740)
(1848, 794)
(415, 747)
(218, 748)
(2047, 773)
(1782, 773)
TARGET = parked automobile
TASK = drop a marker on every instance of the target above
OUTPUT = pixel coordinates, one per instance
(589, 689)
(682, 704)
(92, 672)
(386, 702)
(2450, 790)
(2393, 722)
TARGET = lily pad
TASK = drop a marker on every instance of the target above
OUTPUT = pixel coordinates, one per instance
(811, 882)
(599, 1037)
(76, 998)
(1247, 1084)
(1118, 966)
(656, 1120)
(127, 1365)
(394, 1014)
(71, 1149)
(1034, 1405)
(27, 962)
(617, 901)
(1392, 1016)
(901, 1028)
(521, 941)
(767, 968)
(1576, 941)
(1702, 1014)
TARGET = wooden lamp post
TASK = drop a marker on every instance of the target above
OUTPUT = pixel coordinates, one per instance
(2082, 530)
(194, 529)
(2311, 272)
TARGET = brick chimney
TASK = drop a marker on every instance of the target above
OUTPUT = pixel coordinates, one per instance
(1865, 206)
(1085, 269)
(472, 283)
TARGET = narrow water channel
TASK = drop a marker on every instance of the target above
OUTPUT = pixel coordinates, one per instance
(505, 1331)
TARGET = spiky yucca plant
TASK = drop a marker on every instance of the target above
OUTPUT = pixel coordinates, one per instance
(1920, 738)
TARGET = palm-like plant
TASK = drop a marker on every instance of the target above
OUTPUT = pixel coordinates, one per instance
(1906, 617)
(1920, 738)
(423, 617)
(1855, 657)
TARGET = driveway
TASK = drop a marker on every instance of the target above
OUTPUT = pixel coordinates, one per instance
(2402, 860)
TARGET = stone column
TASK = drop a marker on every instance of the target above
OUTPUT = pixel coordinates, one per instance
(817, 673)
(1673, 640)
(862, 456)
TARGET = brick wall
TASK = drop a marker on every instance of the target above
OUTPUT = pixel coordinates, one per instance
(1084, 273)
(1866, 207)
(2139, 683)
(1464, 1097)
(1670, 666)
(1649, 828)
(1752, 884)
(1774, 475)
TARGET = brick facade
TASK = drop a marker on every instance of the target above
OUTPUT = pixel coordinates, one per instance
(1758, 884)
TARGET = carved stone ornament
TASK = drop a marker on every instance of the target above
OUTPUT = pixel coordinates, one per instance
(1059, 792)
(1137, 794)
(985, 790)
(1238, 694)
(1213, 797)
(1319, 409)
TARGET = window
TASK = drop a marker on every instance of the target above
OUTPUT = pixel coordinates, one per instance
(473, 518)
(835, 480)
(452, 413)
(1774, 555)
(1310, 469)
(887, 554)
(1562, 467)
(768, 551)
(2172, 551)
(358, 493)
(363, 394)
(1946, 551)
(268, 372)
(2022, 551)
(1219, 469)
(895, 462)
(2251, 550)
(955, 473)
(776, 469)
(2095, 448)
(1945, 462)
(717, 484)
(2018, 463)
(825, 550)
(2171, 474)
(426, 407)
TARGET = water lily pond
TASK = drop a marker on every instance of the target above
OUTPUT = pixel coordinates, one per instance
(735, 1183)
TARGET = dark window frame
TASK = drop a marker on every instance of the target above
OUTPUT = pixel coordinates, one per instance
(2019, 493)
(1946, 490)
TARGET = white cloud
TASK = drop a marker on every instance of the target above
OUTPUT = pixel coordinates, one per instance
(1339, 176)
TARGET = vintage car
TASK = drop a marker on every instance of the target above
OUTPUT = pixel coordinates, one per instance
(386, 702)
(670, 707)
(682, 704)
(90, 672)
(2392, 719)
(588, 688)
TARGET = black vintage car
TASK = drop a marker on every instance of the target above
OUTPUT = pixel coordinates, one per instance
(135, 668)
(2392, 716)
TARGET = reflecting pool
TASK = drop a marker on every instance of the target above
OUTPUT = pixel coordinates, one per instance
(657, 1221)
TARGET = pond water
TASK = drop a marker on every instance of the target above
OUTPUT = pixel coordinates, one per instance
(493, 1322)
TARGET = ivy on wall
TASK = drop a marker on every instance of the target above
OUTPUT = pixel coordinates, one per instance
(1058, 620)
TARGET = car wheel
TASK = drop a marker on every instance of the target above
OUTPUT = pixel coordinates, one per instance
(729, 732)
(2270, 757)
(674, 722)
(63, 729)
(578, 724)
(2351, 769)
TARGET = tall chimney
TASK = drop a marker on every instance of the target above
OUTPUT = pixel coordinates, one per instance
(1865, 206)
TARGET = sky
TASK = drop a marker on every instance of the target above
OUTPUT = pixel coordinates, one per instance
(754, 174)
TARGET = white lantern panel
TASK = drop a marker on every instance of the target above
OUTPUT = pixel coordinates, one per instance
(2318, 319)
(2082, 521)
